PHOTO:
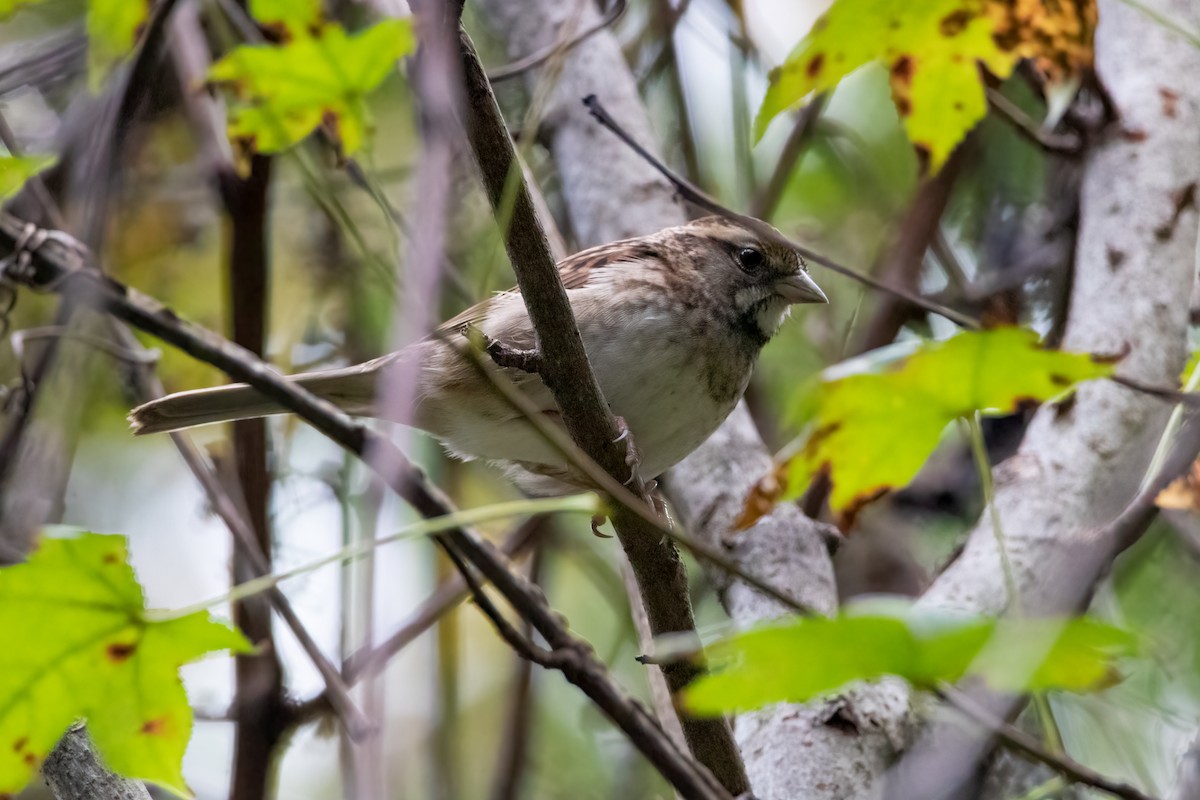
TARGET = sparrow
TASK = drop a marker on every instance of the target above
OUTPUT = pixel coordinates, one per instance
(672, 323)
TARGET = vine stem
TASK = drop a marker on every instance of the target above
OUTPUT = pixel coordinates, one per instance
(984, 466)
(974, 424)
(579, 504)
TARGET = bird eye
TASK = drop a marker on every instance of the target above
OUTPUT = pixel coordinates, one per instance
(749, 258)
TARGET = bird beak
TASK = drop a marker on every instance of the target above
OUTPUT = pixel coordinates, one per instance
(799, 288)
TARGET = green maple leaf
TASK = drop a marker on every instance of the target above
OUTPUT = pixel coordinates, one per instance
(112, 29)
(762, 666)
(78, 645)
(874, 431)
(16, 170)
(292, 16)
(931, 49)
(286, 91)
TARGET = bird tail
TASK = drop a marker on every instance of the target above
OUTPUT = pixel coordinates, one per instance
(351, 389)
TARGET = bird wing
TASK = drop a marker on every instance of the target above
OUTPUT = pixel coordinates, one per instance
(575, 271)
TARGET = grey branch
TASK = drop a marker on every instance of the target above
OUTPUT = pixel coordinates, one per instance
(73, 771)
(57, 266)
(565, 369)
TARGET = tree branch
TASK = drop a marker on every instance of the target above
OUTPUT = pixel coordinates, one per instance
(57, 266)
(610, 194)
(564, 368)
(73, 771)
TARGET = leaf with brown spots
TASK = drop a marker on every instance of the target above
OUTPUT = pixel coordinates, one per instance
(282, 92)
(870, 639)
(78, 645)
(933, 51)
(874, 429)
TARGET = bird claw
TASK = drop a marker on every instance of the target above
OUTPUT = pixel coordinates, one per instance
(631, 453)
(599, 519)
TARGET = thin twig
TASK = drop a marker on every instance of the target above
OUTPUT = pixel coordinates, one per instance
(370, 662)
(693, 195)
(1062, 144)
(562, 441)
(567, 373)
(765, 203)
(59, 266)
(611, 14)
(1016, 739)
(512, 761)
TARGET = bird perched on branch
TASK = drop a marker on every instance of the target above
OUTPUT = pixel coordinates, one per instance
(672, 324)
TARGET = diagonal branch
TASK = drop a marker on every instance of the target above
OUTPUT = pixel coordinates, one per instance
(690, 192)
(58, 266)
(567, 373)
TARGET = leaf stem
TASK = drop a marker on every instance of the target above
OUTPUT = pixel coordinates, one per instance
(1041, 706)
(579, 503)
(1168, 434)
(1046, 790)
(984, 466)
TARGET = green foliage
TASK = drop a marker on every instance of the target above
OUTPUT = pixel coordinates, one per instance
(16, 170)
(112, 27)
(293, 16)
(805, 658)
(286, 91)
(931, 50)
(874, 431)
(77, 645)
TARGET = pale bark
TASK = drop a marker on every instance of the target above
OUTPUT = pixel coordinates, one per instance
(612, 194)
(1079, 464)
(1135, 265)
(1187, 780)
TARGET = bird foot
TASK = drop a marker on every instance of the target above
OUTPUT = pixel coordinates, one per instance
(631, 453)
(599, 519)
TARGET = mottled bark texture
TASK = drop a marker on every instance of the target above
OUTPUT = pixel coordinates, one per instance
(1078, 465)
(612, 194)
(73, 771)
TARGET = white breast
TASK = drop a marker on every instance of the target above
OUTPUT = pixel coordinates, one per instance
(654, 376)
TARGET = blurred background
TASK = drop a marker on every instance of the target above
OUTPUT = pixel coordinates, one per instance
(994, 232)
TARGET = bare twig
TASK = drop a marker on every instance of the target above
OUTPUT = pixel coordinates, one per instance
(567, 373)
(693, 195)
(905, 256)
(511, 762)
(1016, 739)
(766, 201)
(1062, 144)
(260, 709)
(611, 14)
(368, 663)
(58, 266)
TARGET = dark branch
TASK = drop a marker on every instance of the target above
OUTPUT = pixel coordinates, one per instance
(1061, 144)
(503, 355)
(1016, 739)
(56, 265)
(693, 195)
(567, 373)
